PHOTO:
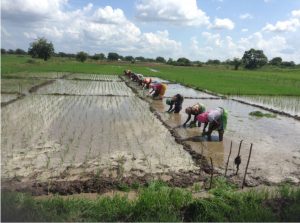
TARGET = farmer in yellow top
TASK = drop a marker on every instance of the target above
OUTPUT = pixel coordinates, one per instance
(158, 90)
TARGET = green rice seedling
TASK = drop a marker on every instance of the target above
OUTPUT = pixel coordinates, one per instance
(261, 114)
(197, 187)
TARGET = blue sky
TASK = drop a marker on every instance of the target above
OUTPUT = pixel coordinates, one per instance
(198, 30)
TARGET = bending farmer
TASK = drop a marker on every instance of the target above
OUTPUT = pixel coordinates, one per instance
(194, 110)
(158, 90)
(175, 101)
(216, 119)
(146, 83)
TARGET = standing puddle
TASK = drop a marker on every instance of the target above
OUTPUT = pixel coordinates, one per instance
(286, 104)
(276, 154)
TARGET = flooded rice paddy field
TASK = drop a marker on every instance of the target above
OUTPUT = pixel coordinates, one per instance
(86, 88)
(71, 128)
(48, 75)
(276, 153)
(94, 77)
(18, 85)
(53, 137)
(287, 104)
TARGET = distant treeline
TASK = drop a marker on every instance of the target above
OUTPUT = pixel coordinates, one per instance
(259, 59)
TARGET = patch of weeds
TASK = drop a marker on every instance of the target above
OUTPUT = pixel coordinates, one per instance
(158, 202)
(31, 61)
(260, 114)
(221, 186)
(135, 185)
(197, 187)
(123, 187)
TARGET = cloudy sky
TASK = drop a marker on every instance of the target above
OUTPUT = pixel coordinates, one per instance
(196, 29)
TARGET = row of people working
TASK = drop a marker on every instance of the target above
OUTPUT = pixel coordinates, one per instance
(215, 119)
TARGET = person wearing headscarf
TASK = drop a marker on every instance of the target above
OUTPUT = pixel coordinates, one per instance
(194, 110)
(215, 119)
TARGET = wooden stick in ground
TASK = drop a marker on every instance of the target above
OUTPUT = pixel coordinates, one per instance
(228, 159)
(212, 173)
(238, 159)
(247, 166)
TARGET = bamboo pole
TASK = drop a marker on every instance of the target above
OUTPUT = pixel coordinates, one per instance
(228, 159)
(237, 159)
(247, 166)
(212, 173)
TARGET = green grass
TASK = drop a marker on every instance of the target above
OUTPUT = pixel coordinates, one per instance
(158, 202)
(220, 79)
(260, 114)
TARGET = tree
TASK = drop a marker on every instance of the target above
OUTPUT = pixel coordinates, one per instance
(216, 62)
(183, 61)
(81, 56)
(170, 61)
(10, 51)
(140, 58)
(113, 56)
(3, 51)
(288, 64)
(41, 49)
(62, 54)
(160, 60)
(276, 61)
(20, 52)
(236, 63)
(254, 58)
(129, 58)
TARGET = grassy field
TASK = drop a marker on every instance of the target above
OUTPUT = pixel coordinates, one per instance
(158, 202)
(220, 79)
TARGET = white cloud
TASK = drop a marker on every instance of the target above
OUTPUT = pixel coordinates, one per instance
(290, 25)
(215, 46)
(222, 24)
(246, 16)
(29, 10)
(30, 35)
(172, 11)
(90, 29)
(296, 13)
(244, 30)
(283, 26)
(109, 15)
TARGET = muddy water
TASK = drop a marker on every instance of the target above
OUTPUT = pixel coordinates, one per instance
(157, 79)
(276, 154)
(95, 77)
(65, 137)
(287, 104)
(86, 88)
(174, 89)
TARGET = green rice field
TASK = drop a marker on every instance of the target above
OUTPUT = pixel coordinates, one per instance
(219, 79)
